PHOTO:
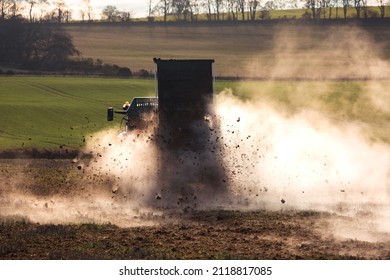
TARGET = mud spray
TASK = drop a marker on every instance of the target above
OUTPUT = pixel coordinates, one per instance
(262, 155)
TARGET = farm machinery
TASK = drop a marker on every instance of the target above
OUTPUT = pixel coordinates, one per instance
(184, 129)
(182, 105)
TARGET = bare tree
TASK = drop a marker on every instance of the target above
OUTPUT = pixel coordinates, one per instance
(218, 4)
(163, 7)
(187, 9)
(232, 9)
(67, 15)
(365, 8)
(32, 4)
(59, 11)
(331, 5)
(195, 7)
(180, 9)
(241, 7)
(253, 4)
(358, 7)
(82, 15)
(150, 10)
(87, 9)
(265, 10)
(382, 6)
(110, 13)
(125, 15)
(4, 7)
(345, 8)
(10, 8)
(323, 6)
(270, 5)
(336, 4)
(312, 5)
(207, 4)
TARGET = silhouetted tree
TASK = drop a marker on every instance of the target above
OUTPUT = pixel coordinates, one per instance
(110, 13)
(345, 8)
(358, 7)
(253, 5)
(241, 7)
(124, 72)
(218, 4)
(87, 10)
(365, 8)
(312, 5)
(32, 45)
(163, 7)
(382, 6)
(232, 9)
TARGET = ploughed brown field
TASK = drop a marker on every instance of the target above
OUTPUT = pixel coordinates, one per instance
(49, 210)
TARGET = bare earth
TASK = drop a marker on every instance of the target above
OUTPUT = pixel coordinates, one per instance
(185, 234)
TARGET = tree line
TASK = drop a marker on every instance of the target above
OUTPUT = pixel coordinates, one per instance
(324, 8)
(189, 10)
(45, 10)
(34, 45)
(192, 10)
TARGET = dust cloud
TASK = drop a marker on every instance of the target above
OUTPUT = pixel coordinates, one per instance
(59, 209)
(303, 162)
(128, 159)
(309, 157)
(271, 158)
(146, 167)
(66, 192)
(341, 52)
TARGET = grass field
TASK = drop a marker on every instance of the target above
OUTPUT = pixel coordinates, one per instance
(63, 111)
(54, 111)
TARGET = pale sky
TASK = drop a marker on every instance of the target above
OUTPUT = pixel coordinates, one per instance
(139, 7)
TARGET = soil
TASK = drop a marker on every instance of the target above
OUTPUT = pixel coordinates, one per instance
(168, 234)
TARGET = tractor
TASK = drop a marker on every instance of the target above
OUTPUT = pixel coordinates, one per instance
(183, 102)
(184, 129)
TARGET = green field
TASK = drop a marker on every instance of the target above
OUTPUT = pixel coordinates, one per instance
(62, 111)
(52, 112)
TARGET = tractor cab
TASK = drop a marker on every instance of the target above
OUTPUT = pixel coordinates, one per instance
(137, 114)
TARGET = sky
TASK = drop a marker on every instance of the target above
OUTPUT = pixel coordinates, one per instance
(138, 7)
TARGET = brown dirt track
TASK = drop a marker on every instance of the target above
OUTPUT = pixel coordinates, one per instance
(189, 234)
